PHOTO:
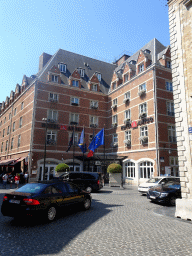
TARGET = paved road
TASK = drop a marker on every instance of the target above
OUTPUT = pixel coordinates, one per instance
(120, 222)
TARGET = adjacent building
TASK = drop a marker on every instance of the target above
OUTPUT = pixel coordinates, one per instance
(131, 98)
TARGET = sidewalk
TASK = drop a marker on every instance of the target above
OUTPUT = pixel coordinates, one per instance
(8, 188)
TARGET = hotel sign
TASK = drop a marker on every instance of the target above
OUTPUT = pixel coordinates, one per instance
(135, 124)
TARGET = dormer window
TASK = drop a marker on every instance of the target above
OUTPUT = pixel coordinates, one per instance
(126, 78)
(75, 83)
(81, 72)
(114, 85)
(94, 87)
(98, 76)
(147, 51)
(63, 67)
(133, 62)
(141, 67)
(54, 78)
(168, 64)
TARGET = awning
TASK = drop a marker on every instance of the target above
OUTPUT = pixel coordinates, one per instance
(7, 161)
(16, 161)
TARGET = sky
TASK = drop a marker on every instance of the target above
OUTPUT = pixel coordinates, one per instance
(100, 29)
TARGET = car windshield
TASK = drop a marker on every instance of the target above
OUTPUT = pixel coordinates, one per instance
(174, 185)
(32, 188)
(153, 180)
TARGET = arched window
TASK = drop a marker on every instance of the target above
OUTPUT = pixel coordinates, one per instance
(130, 170)
(146, 169)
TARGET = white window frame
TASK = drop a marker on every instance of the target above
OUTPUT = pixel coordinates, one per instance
(127, 95)
(170, 108)
(54, 78)
(94, 120)
(51, 135)
(114, 85)
(172, 136)
(75, 83)
(81, 72)
(128, 135)
(142, 87)
(75, 138)
(115, 138)
(74, 117)
(144, 131)
(95, 87)
(114, 119)
(127, 114)
(53, 96)
(141, 67)
(143, 108)
(22, 105)
(52, 115)
(94, 104)
(126, 78)
(130, 170)
(169, 86)
(15, 111)
(20, 122)
(74, 100)
(12, 141)
(62, 67)
(19, 141)
(168, 64)
(146, 170)
(98, 76)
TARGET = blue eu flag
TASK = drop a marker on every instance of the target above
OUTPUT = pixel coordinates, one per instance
(97, 141)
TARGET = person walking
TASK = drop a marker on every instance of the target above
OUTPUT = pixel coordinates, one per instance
(17, 179)
(26, 176)
(5, 178)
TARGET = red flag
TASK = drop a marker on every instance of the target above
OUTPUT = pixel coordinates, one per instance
(90, 154)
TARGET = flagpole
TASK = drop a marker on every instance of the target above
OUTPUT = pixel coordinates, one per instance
(83, 146)
(73, 146)
(104, 150)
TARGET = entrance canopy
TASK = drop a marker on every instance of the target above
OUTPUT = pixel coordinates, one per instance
(17, 161)
(11, 162)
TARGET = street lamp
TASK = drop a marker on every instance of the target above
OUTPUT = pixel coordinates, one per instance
(45, 119)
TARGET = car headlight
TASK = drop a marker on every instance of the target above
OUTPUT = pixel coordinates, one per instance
(164, 194)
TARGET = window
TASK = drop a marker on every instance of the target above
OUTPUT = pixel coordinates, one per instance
(13, 126)
(9, 116)
(93, 121)
(8, 130)
(6, 146)
(20, 122)
(114, 105)
(172, 133)
(51, 138)
(114, 86)
(75, 83)
(15, 111)
(168, 64)
(52, 115)
(54, 78)
(3, 132)
(173, 162)
(128, 135)
(130, 170)
(81, 72)
(74, 101)
(126, 78)
(74, 118)
(144, 131)
(94, 104)
(169, 86)
(128, 115)
(22, 105)
(143, 108)
(19, 141)
(1, 147)
(62, 67)
(115, 138)
(94, 87)
(142, 87)
(75, 138)
(146, 170)
(127, 95)
(141, 68)
(170, 108)
(53, 97)
(98, 76)
(5, 120)
(12, 140)
(114, 119)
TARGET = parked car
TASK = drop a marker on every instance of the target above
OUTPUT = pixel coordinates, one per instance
(165, 193)
(89, 181)
(44, 198)
(144, 187)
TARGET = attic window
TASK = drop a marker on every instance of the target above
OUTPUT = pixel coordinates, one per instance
(94, 87)
(98, 76)
(168, 64)
(141, 68)
(114, 86)
(55, 78)
(62, 67)
(81, 72)
(147, 51)
(132, 62)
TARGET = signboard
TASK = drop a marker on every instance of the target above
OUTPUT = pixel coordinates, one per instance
(134, 124)
(190, 129)
(34, 171)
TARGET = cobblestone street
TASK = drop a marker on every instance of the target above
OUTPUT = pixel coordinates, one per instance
(120, 222)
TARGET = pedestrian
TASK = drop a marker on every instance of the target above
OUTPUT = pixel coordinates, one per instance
(11, 180)
(26, 176)
(5, 178)
(17, 179)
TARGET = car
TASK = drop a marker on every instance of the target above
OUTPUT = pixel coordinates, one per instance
(144, 187)
(88, 181)
(165, 193)
(45, 198)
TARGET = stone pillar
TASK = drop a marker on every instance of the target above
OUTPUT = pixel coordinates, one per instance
(180, 18)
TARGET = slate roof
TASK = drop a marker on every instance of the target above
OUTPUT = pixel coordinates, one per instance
(74, 61)
(162, 52)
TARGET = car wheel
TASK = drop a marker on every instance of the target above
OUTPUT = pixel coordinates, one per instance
(89, 189)
(87, 204)
(172, 201)
(51, 213)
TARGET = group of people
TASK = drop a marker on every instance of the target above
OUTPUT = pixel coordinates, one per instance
(13, 179)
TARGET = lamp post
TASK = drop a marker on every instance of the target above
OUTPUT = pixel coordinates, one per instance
(45, 119)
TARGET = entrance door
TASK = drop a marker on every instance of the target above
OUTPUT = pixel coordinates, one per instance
(49, 171)
(76, 168)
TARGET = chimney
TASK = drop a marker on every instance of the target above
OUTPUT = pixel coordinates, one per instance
(43, 59)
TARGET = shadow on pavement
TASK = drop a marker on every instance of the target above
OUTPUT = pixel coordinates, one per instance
(40, 238)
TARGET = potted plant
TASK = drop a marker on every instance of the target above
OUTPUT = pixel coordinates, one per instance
(61, 169)
(115, 172)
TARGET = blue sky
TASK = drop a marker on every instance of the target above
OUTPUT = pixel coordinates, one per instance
(101, 29)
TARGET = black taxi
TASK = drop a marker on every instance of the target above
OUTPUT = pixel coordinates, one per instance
(44, 198)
